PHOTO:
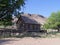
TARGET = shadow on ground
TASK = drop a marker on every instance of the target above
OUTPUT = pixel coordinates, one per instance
(6, 41)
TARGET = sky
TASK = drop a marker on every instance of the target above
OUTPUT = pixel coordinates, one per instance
(42, 7)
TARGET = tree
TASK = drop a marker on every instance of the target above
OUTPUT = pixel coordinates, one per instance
(53, 21)
(9, 7)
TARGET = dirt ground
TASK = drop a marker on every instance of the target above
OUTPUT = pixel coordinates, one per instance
(30, 41)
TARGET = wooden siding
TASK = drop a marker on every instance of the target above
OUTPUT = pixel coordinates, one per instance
(22, 26)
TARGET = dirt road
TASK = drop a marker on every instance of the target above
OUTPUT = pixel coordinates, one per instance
(30, 41)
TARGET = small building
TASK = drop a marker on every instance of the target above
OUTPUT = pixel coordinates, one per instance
(30, 22)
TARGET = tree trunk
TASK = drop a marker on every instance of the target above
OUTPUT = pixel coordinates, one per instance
(58, 29)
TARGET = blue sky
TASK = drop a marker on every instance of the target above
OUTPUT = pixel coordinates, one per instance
(42, 7)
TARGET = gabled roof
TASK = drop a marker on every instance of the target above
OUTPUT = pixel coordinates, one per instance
(33, 18)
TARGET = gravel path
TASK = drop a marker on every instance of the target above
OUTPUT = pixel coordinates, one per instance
(30, 41)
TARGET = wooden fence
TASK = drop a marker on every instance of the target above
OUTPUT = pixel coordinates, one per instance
(10, 32)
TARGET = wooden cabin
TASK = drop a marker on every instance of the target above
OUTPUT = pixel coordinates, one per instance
(30, 22)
